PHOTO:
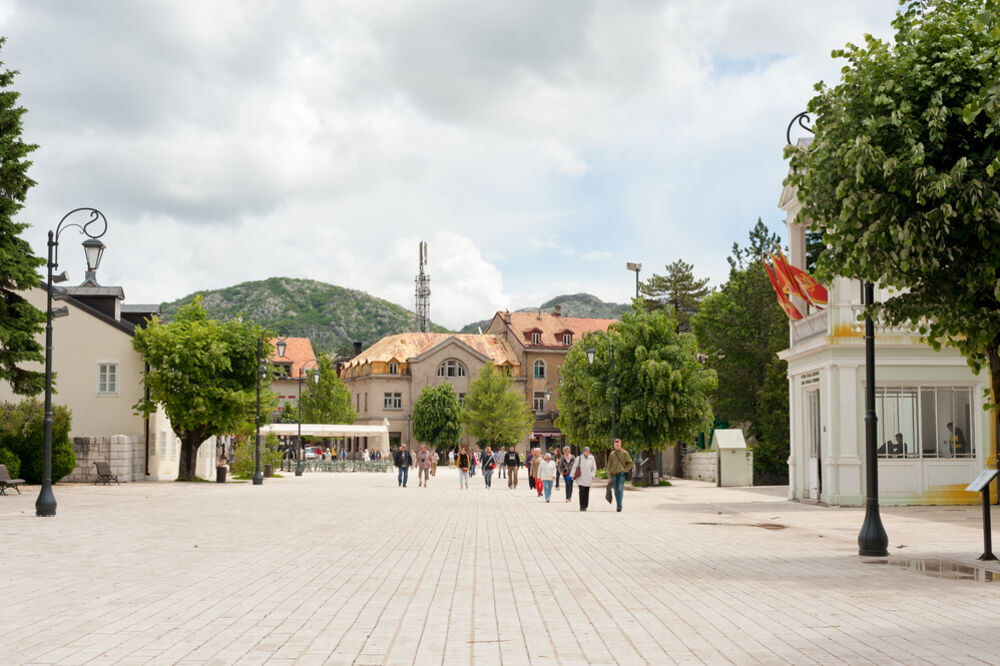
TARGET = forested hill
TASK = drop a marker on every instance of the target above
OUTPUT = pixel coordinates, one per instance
(331, 317)
(573, 305)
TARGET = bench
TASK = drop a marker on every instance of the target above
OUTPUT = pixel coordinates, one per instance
(7, 482)
(104, 474)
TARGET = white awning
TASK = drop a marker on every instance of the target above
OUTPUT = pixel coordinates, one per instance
(378, 433)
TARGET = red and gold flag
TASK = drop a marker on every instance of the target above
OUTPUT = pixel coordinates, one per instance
(783, 300)
(808, 287)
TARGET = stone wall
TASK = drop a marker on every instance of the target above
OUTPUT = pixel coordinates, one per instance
(126, 455)
(700, 465)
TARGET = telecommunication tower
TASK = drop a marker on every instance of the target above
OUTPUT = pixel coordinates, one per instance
(423, 281)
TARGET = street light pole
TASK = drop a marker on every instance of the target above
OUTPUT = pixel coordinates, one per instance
(298, 409)
(258, 478)
(45, 505)
(872, 540)
(633, 266)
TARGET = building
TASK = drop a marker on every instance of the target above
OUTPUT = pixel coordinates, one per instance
(298, 358)
(386, 379)
(540, 342)
(933, 434)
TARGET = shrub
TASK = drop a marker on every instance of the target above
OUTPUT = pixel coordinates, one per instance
(22, 432)
(13, 463)
(243, 463)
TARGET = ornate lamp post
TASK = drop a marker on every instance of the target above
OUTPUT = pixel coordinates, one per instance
(298, 438)
(45, 505)
(872, 540)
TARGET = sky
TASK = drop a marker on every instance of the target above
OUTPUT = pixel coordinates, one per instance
(536, 146)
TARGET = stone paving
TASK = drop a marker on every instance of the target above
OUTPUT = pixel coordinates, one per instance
(348, 568)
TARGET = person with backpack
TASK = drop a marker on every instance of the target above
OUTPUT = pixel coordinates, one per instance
(565, 466)
(403, 461)
(464, 463)
(583, 473)
(619, 465)
(489, 463)
(512, 461)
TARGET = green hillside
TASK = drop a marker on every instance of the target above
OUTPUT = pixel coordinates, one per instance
(573, 305)
(332, 317)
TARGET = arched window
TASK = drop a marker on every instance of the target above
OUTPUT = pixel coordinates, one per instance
(451, 368)
(539, 369)
(567, 338)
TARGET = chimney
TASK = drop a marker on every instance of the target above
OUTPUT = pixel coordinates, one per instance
(506, 317)
(357, 348)
(557, 310)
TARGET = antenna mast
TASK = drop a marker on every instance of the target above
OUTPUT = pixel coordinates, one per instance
(423, 281)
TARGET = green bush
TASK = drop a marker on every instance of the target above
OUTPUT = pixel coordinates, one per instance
(13, 463)
(243, 463)
(22, 432)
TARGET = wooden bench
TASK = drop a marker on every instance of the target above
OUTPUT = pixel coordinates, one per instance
(104, 474)
(7, 482)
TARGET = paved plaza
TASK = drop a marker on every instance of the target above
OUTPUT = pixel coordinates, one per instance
(348, 568)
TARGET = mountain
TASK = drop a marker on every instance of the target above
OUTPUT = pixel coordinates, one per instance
(573, 305)
(331, 317)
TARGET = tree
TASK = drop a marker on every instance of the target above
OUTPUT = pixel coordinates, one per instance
(679, 289)
(329, 401)
(204, 373)
(493, 413)
(987, 100)
(661, 390)
(437, 417)
(21, 432)
(20, 322)
(740, 329)
(899, 183)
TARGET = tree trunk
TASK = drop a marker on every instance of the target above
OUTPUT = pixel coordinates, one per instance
(190, 442)
(993, 354)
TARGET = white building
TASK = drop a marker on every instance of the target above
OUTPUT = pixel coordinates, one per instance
(933, 434)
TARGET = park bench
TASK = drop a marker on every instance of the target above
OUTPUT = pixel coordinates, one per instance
(104, 474)
(7, 482)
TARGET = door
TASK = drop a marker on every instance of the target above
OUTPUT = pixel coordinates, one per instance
(814, 468)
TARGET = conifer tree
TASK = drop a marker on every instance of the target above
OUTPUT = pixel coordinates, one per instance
(679, 289)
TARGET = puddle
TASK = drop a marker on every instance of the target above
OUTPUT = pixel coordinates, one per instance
(943, 569)
(766, 526)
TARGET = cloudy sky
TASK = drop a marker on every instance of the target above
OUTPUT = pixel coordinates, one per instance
(536, 145)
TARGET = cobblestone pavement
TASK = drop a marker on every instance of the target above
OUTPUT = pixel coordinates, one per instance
(348, 568)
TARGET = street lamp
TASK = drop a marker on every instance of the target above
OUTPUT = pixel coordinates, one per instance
(298, 408)
(45, 505)
(633, 266)
(258, 478)
(872, 540)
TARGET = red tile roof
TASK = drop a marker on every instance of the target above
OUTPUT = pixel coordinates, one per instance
(552, 326)
(404, 346)
(298, 351)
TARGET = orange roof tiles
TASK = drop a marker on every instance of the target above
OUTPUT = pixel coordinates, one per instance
(404, 346)
(552, 326)
(298, 351)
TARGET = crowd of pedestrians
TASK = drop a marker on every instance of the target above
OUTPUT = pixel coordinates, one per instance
(543, 469)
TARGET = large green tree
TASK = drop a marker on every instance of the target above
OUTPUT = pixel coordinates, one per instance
(661, 390)
(740, 329)
(677, 288)
(899, 184)
(20, 321)
(987, 101)
(204, 374)
(437, 417)
(493, 413)
(329, 401)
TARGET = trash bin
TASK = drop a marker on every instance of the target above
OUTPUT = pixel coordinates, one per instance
(268, 470)
(220, 473)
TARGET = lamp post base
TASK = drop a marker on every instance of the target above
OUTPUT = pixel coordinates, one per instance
(258, 479)
(45, 505)
(873, 540)
(298, 468)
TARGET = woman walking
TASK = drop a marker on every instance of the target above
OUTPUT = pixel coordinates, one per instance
(463, 469)
(489, 463)
(565, 469)
(547, 475)
(584, 471)
(536, 460)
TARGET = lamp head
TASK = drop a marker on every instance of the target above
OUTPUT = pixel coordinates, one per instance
(633, 266)
(548, 396)
(281, 345)
(94, 250)
(590, 355)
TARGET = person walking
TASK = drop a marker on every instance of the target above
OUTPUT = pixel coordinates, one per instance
(475, 461)
(512, 461)
(489, 463)
(565, 469)
(583, 473)
(451, 457)
(463, 463)
(528, 455)
(619, 464)
(547, 474)
(536, 460)
(424, 458)
(434, 461)
(403, 461)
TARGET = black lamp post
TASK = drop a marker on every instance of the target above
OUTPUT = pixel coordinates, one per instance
(258, 478)
(872, 540)
(590, 359)
(298, 438)
(45, 505)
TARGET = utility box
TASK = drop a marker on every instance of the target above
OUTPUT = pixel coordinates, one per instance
(735, 460)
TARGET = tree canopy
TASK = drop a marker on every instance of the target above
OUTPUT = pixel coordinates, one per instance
(329, 401)
(204, 374)
(661, 390)
(493, 413)
(437, 417)
(20, 321)
(677, 288)
(899, 183)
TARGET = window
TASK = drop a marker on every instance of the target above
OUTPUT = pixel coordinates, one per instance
(536, 338)
(173, 446)
(357, 402)
(152, 446)
(567, 338)
(366, 402)
(163, 444)
(539, 402)
(107, 379)
(451, 368)
(539, 369)
(393, 401)
(393, 368)
(924, 422)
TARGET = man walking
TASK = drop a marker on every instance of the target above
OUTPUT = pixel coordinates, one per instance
(424, 463)
(403, 460)
(512, 461)
(619, 464)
